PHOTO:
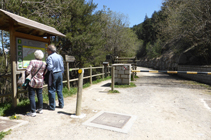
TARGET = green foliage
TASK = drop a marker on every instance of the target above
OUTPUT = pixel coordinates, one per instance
(3, 107)
(179, 26)
(154, 50)
(2, 134)
(114, 91)
(90, 35)
(86, 85)
(66, 92)
(134, 77)
(120, 40)
(15, 117)
(124, 86)
(100, 80)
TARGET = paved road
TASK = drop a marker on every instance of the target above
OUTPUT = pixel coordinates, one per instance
(166, 107)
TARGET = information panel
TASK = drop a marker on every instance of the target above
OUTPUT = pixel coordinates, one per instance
(26, 49)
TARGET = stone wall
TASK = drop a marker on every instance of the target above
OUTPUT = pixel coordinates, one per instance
(196, 77)
(171, 63)
(163, 63)
(122, 73)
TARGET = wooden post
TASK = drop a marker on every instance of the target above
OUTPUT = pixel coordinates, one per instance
(79, 92)
(68, 59)
(133, 74)
(90, 75)
(103, 72)
(135, 67)
(109, 71)
(13, 63)
(68, 77)
(106, 70)
(112, 79)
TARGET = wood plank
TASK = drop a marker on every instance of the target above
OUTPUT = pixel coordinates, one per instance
(27, 36)
(13, 62)
(125, 58)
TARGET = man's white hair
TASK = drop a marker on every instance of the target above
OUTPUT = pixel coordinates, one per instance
(38, 54)
(52, 48)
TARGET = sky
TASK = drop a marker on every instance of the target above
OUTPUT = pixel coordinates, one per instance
(135, 10)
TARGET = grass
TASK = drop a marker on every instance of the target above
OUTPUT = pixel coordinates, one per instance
(15, 117)
(134, 77)
(2, 134)
(114, 91)
(125, 86)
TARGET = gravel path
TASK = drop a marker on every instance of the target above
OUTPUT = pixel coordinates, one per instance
(166, 109)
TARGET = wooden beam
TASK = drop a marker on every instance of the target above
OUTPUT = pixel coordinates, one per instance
(27, 36)
(13, 62)
(120, 58)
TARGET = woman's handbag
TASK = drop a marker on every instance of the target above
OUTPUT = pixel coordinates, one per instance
(21, 80)
(29, 78)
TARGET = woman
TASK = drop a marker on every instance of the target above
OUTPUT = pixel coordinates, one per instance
(36, 67)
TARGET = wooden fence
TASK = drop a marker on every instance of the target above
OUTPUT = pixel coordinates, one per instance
(105, 71)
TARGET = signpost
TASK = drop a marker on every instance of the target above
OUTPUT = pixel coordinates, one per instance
(68, 58)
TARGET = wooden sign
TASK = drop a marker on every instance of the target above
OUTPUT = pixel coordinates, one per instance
(69, 58)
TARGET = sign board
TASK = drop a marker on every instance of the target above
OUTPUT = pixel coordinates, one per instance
(106, 63)
(26, 49)
(69, 58)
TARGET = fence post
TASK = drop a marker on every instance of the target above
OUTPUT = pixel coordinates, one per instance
(112, 79)
(79, 92)
(135, 66)
(133, 74)
(68, 77)
(106, 70)
(103, 72)
(90, 75)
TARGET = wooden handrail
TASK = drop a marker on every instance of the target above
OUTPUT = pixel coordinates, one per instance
(65, 81)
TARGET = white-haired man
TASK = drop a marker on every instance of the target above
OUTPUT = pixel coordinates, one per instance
(56, 66)
(36, 68)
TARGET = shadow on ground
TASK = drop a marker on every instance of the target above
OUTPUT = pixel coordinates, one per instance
(106, 85)
(22, 109)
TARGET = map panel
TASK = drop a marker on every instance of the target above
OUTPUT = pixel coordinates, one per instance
(26, 49)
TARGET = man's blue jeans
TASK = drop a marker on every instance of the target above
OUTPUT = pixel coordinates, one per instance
(56, 86)
(32, 98)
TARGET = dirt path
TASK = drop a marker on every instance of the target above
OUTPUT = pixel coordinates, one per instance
(166, 109)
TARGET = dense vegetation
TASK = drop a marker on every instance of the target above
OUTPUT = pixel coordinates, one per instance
(90, 34)
(180, 26)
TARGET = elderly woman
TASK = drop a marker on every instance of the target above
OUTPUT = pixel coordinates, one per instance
(36, 68)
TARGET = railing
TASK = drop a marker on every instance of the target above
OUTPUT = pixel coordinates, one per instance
(104, 72)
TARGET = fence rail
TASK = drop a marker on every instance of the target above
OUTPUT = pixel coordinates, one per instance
(104, 72)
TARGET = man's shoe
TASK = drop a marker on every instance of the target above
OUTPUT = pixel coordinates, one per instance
(51, 109)
(31, 114)
(39, 111)
(59, 107)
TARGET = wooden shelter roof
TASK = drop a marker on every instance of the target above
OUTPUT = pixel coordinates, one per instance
(27, 26)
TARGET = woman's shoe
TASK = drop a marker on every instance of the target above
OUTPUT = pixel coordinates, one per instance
(31, 114)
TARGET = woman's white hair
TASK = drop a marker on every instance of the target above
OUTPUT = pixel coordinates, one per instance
(38, 54)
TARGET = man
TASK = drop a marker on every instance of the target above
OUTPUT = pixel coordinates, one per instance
(56, 66)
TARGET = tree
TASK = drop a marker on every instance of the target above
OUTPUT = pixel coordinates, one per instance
(120, 39)
(189, 25)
